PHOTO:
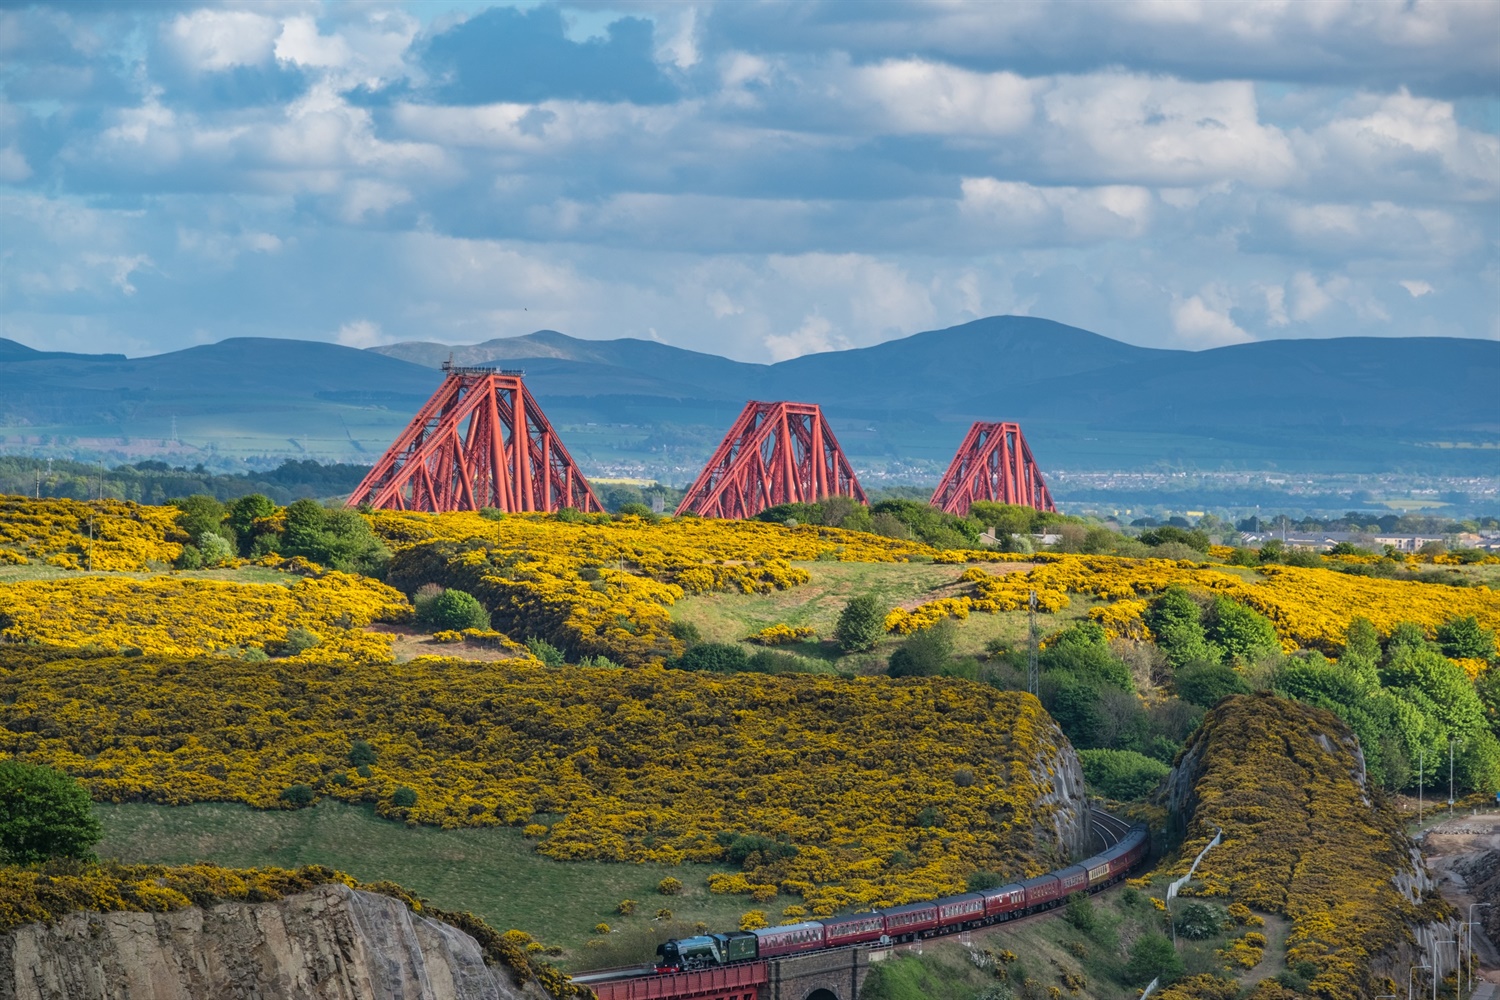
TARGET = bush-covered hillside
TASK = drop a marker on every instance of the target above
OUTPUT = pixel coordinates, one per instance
(830, 792)
(1305, 835)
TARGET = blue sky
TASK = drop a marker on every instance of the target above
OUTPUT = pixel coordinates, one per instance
(757, 179)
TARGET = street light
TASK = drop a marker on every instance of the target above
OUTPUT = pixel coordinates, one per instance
(1437, 969)
(1470, 925)
(1411, 975)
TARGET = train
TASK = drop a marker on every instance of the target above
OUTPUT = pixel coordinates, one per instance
(912, 921)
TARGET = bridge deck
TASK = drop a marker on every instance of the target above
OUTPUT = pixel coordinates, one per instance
(736, 982)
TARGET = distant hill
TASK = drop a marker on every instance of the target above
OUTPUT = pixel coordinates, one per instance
(634, 407)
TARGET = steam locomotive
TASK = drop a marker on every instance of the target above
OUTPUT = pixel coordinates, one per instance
(915, 920)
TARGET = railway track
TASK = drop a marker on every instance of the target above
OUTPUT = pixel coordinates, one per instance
(1105, 827)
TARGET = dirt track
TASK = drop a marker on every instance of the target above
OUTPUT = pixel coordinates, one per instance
(1464, 854)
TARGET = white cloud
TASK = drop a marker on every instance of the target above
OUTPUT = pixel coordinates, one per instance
(814, 336)
(300, 43)
(360, 333)
(220, 39)
(1026, 213)
(1203, 320)
(913, 96)
(1416, 289)
(1162, 131)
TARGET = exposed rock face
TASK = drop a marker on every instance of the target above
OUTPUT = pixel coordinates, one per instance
(1066, 806)
(330, 943)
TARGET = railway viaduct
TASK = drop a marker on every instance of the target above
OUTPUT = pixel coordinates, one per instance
(837, 974)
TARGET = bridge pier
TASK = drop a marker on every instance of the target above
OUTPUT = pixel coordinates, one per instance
(829, 975)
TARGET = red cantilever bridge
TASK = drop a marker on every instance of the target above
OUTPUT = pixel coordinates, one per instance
(835, 973)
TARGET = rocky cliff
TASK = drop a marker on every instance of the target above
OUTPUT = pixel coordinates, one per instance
(329, 943)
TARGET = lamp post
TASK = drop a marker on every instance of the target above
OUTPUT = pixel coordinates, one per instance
(1437, 968)
(1470, 925)
(1421, 777)
(1451, 741)
(1412, 976)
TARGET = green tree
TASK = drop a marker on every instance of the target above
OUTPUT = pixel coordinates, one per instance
(1197, 921)
(215, 549)
(1464, 638)
(453, 610)
(1177, 622)
(1167, 533)
(341, 539)
(1361, 649)
(1207, 684)
(861, 624)
(926, 653)
(1083, 650)
(44, 814)
(1151, 956)
(243, 514)
(1240, 631)
(1122, 774)
(199, 513)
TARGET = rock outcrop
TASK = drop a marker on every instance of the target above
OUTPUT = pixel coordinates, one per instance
(329, 943)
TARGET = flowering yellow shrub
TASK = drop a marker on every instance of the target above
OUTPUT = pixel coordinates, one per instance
(126, 536)
(172, 614)
(1123, 619)
(603, 588)
(903, 622)
(647, 765)
(1302, 838)
(781, 634)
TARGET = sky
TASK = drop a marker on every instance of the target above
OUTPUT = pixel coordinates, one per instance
(760, 179)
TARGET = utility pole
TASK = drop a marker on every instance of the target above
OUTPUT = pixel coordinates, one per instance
(1033, 678)
(1451, 741)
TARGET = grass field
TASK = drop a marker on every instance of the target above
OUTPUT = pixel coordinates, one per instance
(494, 872)
(817, 603)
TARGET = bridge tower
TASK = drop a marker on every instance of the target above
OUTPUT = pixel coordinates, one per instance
(775, 453)
(480, 441)
(993, 463)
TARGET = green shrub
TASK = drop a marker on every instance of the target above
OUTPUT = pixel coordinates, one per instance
(404, 798)
(714, 657)
(984, 880)
(297, 796)
(546, 652)
(299, 640)
(1151, 956)
(1197, 921)
(1080, 912)
(360, 752)
(924, 654)
(452, 610)
(861, 625)
(1122, 774)
(215, 548)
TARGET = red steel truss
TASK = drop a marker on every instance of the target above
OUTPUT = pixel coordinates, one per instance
(993, 463)
(775, 453)
(480, 441)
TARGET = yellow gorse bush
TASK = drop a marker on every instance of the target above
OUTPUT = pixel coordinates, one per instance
(1302, 838)
(179, 615)
(781, 634)
(126, 536)
(645, 765)
(604, 587)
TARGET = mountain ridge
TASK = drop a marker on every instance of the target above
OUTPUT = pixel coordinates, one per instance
(637, 407)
